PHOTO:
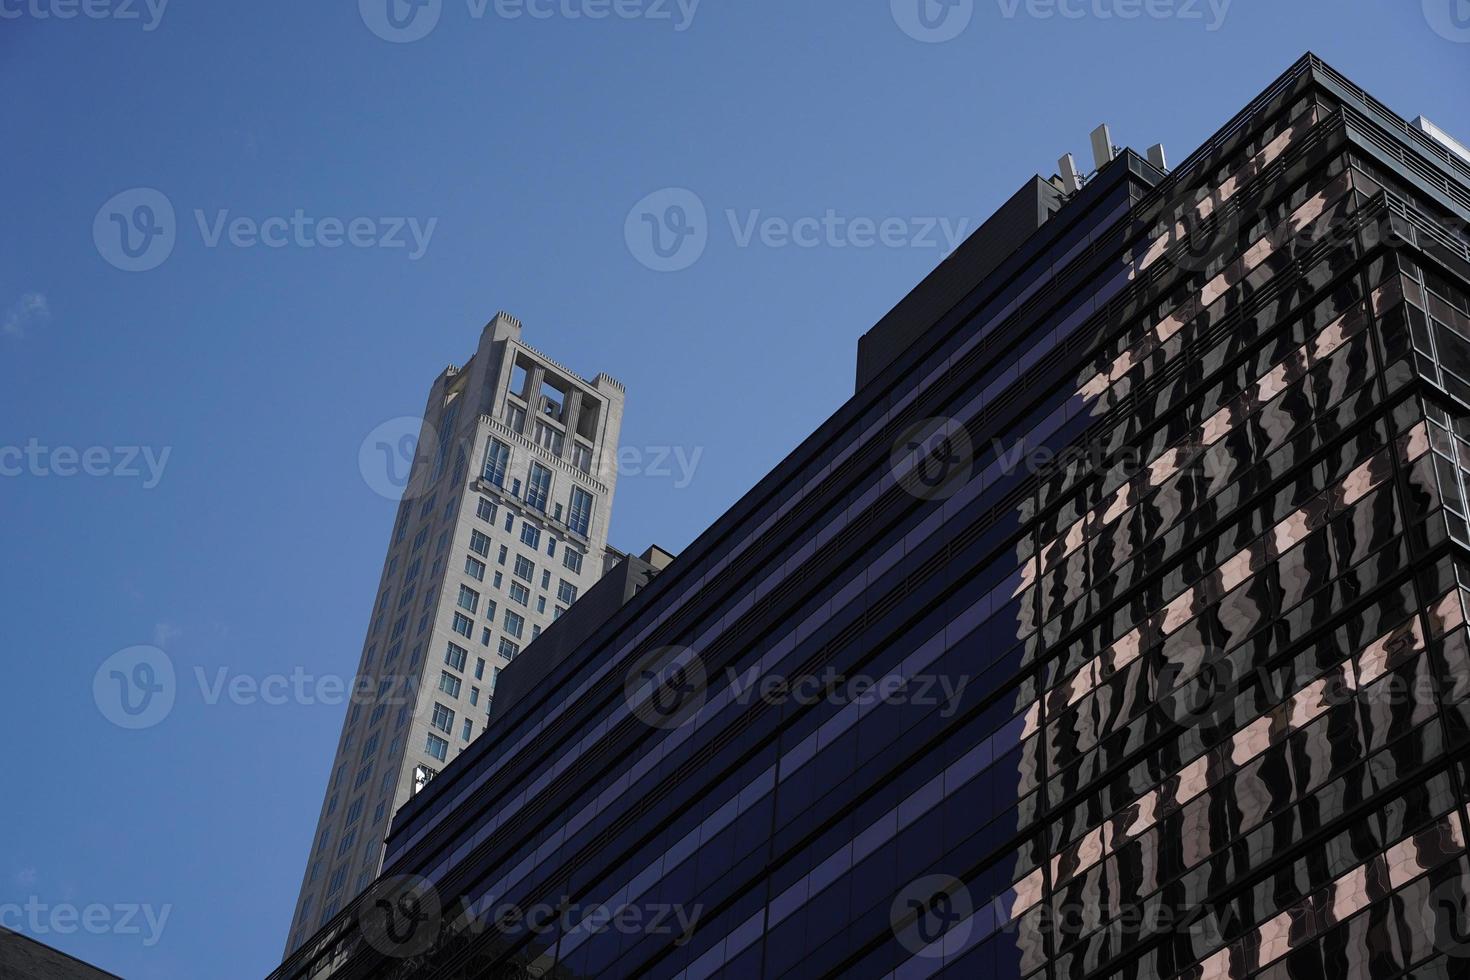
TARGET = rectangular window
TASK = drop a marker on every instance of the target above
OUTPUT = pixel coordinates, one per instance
(504, 553)
(508, 650)
(469, 599)
(582, 457)
(480, 544)
(499, 578)
(474, 568)
(420, 538)
(463, 625)
(443, 718)
(551, 547)
(497, 461)
(354, 811)
(437, 747)
(369, 748)
(520, 594)
(539, 489)
(540, 608)
(456, 656)
(485, 634)
(474, 695)
(510, 521)
(514, 624)
(530, 535)
(525, 568)
(485, 510)
(449, 684)
(581, 517)
(468, 729)
(566, 592)
(515, 416)
(545, 579)
(572, 559)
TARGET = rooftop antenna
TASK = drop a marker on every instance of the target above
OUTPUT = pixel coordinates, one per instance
(1102, 146)
(1157, 158)
(1071, 178)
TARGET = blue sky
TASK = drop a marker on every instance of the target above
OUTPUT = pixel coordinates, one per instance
(216, 402)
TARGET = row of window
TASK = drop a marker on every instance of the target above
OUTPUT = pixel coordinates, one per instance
(537, 488)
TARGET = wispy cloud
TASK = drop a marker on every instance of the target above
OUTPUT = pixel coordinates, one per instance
(28, 311)
(165, 633)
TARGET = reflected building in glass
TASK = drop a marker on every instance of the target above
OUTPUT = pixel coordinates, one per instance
(1115, 627)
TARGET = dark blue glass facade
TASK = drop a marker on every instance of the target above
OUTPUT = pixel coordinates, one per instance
(1116, 628)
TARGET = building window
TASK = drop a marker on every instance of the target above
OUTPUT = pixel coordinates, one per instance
(468, 729)
(339, 878)
(485, 510)
(566, 592)
(557, 613)
(369, 748)
(485, 634)
(580, 519)
(469, 598)
(348, 839)
(508, 650)
(463, 625)
(525, 568)
(582, 457)
(510, 522)
(354, 811)
(551, 547)
(572, 559)
(363, 775)
(530, 535)
(545, 579)
(480, 669)
(480, 543)
(539, 490)
(520, 594)
(514, 624)
(449, 684)
(474, 695)
(474, 568)
(456, 656)
(540, 608)
(443, 718)
(499, 578)
(437, 747)
(379, 812)
(504, 553)
(497, 460)
(515, 416)
(549, 438)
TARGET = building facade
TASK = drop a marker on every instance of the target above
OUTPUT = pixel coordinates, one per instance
(503, 523)
(1115, 627)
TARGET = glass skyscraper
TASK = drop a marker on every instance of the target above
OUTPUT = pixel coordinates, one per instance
(1115, 627)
